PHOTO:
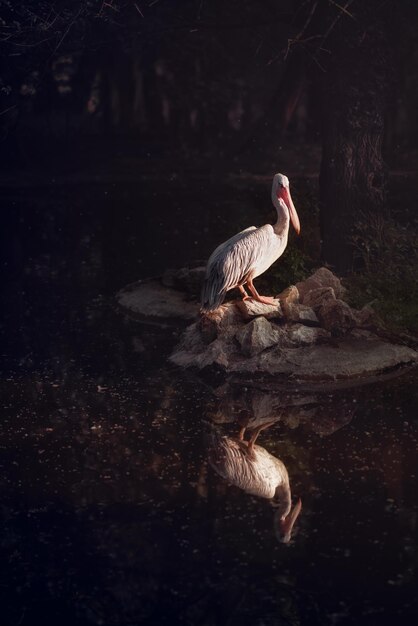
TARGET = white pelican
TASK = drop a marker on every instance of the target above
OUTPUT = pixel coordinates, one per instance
(248, 254)
(257, 472)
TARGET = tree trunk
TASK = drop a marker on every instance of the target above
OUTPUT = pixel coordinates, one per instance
(354, 90)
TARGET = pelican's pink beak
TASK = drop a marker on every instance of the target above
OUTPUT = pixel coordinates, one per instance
(286, 524)
(284, 193)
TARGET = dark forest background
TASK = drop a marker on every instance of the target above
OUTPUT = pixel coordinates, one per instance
(158, 88)
(135, 136)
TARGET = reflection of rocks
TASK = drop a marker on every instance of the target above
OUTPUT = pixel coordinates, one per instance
(326, 422)
(260, 406)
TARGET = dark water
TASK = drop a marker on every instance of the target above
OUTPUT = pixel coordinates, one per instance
(110, 512)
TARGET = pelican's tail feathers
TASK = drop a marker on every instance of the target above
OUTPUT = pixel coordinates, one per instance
(211, 297)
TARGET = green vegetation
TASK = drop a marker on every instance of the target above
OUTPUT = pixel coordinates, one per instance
(388, 253)
(293, 266)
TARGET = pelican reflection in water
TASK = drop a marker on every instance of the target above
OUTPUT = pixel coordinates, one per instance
(251, 468)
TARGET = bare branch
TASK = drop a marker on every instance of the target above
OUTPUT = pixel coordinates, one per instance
(291, 42)
(138, 9)
(8, 109)
(67, 30)
(332, 26)
(343, 9)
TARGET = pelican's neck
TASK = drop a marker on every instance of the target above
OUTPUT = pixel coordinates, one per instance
(281, 227)
(283, 500)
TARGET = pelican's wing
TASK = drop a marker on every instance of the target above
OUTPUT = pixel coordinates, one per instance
(229, 242)
(231, 262)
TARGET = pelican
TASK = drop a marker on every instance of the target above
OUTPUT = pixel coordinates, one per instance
(248, 254)
(257, 472)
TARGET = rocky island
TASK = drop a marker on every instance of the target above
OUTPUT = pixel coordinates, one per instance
(309, 335)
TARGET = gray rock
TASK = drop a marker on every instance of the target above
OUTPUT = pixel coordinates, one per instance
(240, 338)
(294, 311)
(215, 354)
(258, 335)
(252, 308)
(224, 321)
(323, 277)
(191, 341)
(150, 299)
(301, 335)
(367, 315)
(307, 316)
(302, 314)
(193, 352)
(317, 297)
(337, 317)
(290, 295)
(208, 329)
(350, 359)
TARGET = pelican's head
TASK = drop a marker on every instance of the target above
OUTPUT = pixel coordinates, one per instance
(280, 180)
(281, 191)
(285, 518)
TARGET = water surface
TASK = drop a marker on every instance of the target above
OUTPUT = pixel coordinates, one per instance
(110, 511)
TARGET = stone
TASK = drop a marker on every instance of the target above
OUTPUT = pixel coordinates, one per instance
(317, 297)
(288, 299)
(366, 316)
(254, 342)
(224, 320)
(252, 308)
(301, 335)
(290, 295)
(208, 328)
(352, 358)
(215, 354)
(302, 314)
(226, 316)
(307, 316)
(191, 340)
(323, 277)
(337, 317)
(257, 335)
(193, 352)
(151, 299)
(316, 361)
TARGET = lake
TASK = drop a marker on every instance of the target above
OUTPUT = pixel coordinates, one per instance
(111, 513)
